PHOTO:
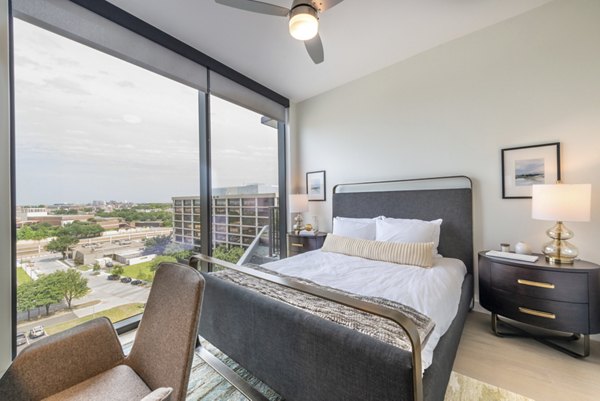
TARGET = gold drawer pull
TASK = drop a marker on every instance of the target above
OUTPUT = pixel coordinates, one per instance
(535, 284)
(297, 244)
(537, 313)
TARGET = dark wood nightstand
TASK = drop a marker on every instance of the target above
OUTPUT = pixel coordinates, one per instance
(299, 244)
(563, 298)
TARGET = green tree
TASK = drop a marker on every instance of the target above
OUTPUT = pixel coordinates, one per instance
(232, 254)
(62, 244)
(81, 229)
(72, 284)
(156, 244)
(47, 291)
(147, 212)
(36, 231)
(117, 270)
(178, 251)
(159, 259)
(26, 298)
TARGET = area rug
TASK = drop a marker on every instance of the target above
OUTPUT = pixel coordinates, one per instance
(465, 388)
(207, 385)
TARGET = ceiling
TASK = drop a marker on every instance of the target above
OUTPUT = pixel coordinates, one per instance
(359, 37)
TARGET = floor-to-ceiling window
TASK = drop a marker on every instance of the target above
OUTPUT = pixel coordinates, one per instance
(113, 162)
(244, 176)
(104, 150)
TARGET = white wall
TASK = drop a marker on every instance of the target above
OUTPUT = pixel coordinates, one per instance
(529, 80)
(5, 223)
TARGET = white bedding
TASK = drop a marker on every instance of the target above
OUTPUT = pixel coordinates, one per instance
(434, 291)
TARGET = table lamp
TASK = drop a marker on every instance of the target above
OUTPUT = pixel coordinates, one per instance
(561, 202)
(298, 204)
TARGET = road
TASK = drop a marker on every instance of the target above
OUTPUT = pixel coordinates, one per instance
(28, 249)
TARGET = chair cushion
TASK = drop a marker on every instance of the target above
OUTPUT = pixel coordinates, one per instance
(120, 383)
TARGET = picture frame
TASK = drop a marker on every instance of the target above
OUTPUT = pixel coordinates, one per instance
(525, 166)
(315, 185)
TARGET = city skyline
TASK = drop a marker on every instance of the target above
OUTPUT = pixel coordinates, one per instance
(90, 126)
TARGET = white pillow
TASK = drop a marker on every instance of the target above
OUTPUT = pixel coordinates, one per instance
(409, 230)
(355, 228)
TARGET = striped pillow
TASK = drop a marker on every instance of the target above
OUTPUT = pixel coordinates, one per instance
(405, 253)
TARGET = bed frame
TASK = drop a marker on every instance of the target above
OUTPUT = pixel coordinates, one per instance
(306, 358)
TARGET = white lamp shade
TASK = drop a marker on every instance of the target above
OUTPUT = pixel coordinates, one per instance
(298, 203)
(561, 202)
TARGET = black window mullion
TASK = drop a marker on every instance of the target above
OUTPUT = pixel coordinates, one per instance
(282, 176)
(205, 176)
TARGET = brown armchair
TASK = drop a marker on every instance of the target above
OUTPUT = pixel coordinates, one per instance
(87, 361)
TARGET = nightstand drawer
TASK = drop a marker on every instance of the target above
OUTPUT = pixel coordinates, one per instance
(562, 316)
(299, 244)
(543, 284)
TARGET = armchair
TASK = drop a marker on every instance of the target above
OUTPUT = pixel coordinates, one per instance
(87, 361)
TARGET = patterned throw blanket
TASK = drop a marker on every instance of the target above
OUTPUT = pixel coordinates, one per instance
(378, 327)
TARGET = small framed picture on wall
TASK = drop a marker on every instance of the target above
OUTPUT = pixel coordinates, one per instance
(315, 185)
(529, 165)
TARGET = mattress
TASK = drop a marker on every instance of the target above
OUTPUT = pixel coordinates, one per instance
(434, 291)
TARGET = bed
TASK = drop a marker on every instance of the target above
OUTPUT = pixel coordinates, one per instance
(305, 357)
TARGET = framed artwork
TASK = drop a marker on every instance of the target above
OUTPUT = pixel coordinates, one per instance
(315, 185)
(528, 165)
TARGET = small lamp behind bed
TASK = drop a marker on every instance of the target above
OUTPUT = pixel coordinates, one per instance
(298, 204)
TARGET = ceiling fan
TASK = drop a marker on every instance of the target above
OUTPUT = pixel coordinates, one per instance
(303, 19)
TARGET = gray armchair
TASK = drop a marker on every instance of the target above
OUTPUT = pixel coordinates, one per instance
(87, 361)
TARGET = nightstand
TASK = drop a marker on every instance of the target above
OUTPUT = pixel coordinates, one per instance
(299, 244)
(563, 298)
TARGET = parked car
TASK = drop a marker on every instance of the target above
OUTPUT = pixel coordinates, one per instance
(126, 280)
(37, 331)
(109, 264)
(137, 282)
(22, 339)
(113, 277)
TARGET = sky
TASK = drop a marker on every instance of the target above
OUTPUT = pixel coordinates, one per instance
(93, 127)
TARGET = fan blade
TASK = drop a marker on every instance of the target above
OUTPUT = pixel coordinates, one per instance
(255, 7)
(327, 4)
(314, 47)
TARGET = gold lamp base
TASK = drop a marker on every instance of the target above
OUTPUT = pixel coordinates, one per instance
(559, 250)
(298, 226)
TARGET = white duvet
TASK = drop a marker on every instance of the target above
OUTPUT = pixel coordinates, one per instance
(435, 292)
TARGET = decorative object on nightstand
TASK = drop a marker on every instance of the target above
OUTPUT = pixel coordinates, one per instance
(565, 299)
(298, 244)
(561, 202)
(298, 204)
(522, 248)
(315, 224)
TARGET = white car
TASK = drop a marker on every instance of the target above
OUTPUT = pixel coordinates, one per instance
(21, 339)
(36, 332)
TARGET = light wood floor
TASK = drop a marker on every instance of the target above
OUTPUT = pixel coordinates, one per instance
(525, 366)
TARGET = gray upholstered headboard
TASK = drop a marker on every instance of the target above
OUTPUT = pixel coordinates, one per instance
(448, 198)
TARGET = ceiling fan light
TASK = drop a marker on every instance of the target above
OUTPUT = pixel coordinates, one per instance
(304, 24)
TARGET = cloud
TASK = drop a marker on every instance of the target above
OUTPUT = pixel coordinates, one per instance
(126, 84)
(132, 119)
(102, 128)
(67, 86)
